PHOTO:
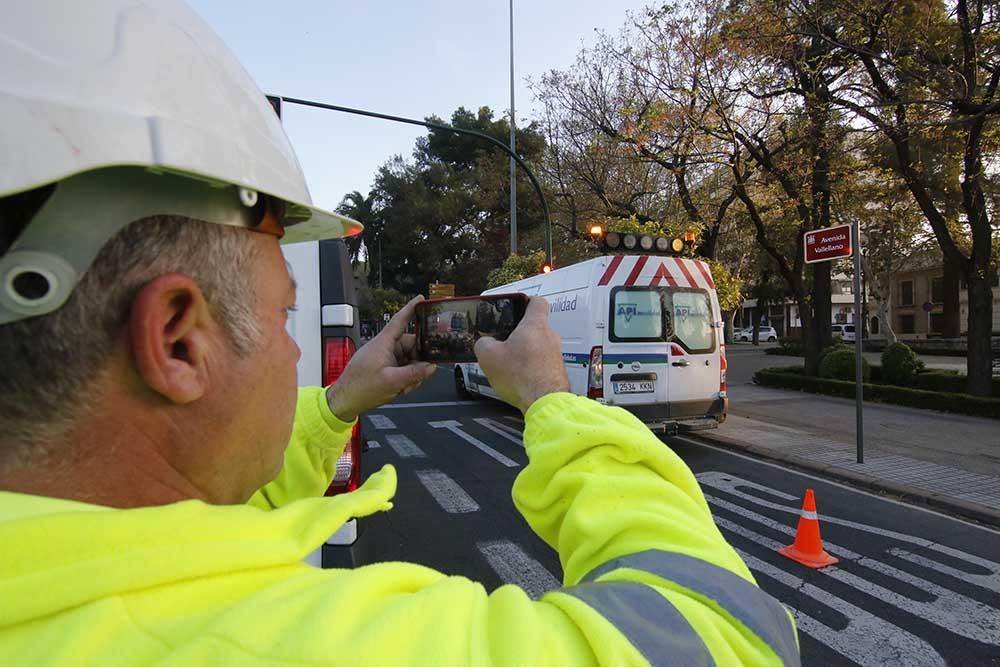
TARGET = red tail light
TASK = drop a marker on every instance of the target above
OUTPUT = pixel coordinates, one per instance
(336, 353)
(723, 365)
(595, 384)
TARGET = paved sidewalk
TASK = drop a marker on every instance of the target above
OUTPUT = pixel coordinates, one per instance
(949, 461)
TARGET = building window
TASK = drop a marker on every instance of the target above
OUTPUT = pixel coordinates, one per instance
(937, 290)
(937, 323)
(906, 293)
(874, 326)
(906, 324)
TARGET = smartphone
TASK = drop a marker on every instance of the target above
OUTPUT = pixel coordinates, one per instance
(447, 329)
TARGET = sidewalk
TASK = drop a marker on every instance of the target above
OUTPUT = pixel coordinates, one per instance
(948, 461)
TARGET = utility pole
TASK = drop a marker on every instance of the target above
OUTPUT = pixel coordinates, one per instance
(513, 131)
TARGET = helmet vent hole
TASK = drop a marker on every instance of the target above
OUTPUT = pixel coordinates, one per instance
(31, 285)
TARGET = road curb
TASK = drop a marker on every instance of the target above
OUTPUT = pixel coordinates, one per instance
(974, 511)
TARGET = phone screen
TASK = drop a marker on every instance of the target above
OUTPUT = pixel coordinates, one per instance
(447, 329)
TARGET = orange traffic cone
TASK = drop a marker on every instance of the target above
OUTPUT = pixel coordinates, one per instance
(808, 546)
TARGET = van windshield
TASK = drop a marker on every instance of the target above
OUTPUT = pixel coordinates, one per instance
(647, 314)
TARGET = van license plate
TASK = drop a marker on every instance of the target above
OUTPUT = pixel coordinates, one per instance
(634, 387)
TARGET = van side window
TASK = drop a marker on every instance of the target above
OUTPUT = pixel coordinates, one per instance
(693, 320)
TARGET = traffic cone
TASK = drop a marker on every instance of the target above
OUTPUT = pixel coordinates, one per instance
(808, 546)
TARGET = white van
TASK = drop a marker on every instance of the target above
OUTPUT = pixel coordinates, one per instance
(643, 332)
(324, 325)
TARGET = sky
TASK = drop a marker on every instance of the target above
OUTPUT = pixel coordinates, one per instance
(413, 59)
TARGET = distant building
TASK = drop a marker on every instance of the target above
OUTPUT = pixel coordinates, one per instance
(917, 303)
(784, 316)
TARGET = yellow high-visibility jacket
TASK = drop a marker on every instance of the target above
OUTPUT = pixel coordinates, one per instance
(648, 578)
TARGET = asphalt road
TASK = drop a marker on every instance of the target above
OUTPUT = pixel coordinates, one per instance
(913, 587)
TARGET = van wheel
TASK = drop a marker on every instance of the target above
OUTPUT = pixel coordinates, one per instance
(460, 388)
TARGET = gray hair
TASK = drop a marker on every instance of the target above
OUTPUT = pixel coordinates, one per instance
(50, 361)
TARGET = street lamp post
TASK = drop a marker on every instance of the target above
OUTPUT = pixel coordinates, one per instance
(513, 131)
(446, 128)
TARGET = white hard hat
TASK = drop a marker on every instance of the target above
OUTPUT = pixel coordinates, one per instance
(134, 108)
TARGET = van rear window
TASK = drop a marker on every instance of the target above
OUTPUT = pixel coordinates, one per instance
(638, 315)
(648, 314)
(693, 320)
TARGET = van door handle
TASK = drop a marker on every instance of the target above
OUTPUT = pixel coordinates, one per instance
(682, 362)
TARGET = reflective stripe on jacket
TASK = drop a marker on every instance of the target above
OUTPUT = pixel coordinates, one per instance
(648, 578)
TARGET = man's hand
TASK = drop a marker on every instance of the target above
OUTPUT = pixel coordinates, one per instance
(528, 365)
(381, 370)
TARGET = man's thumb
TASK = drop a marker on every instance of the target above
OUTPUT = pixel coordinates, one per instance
(486, 349)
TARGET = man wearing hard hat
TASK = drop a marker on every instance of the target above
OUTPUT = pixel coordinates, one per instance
(158, 474)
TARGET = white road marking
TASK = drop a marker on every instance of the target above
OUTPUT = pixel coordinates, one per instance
(373, 444)
(449, 495)
(502, 430)
(732, 485)
(437, 404)
(381, 422)
(404, 447)
(950, 610)
(514, 566)
(867, 639)
(456, 428)
(827, 480)
(989, 581)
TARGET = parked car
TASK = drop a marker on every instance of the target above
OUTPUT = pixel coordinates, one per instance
(746, 335)
(845, 331)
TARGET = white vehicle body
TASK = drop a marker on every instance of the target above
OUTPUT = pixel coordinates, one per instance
(845, 331)
(765, 333)
(643, 332)
(324, 327)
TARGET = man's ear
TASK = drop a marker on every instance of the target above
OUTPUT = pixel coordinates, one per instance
(170, 332)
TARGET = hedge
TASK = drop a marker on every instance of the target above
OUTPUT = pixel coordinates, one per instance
(935, 380)
(882, 393)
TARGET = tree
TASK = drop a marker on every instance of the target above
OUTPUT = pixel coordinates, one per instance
(926, 70)
(516, 267)
(623, 129)
(444, 215)
(361, 208)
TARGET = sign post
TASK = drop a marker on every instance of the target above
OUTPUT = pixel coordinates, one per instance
(827, 244)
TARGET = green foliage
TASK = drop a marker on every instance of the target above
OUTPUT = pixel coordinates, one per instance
(516, 267)
(787, 348)
(632, 225)
(838, 344)
(881, 393)
(444, 215)
(373, 303)
(839, 364)
(900, 365)
(727, 285)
